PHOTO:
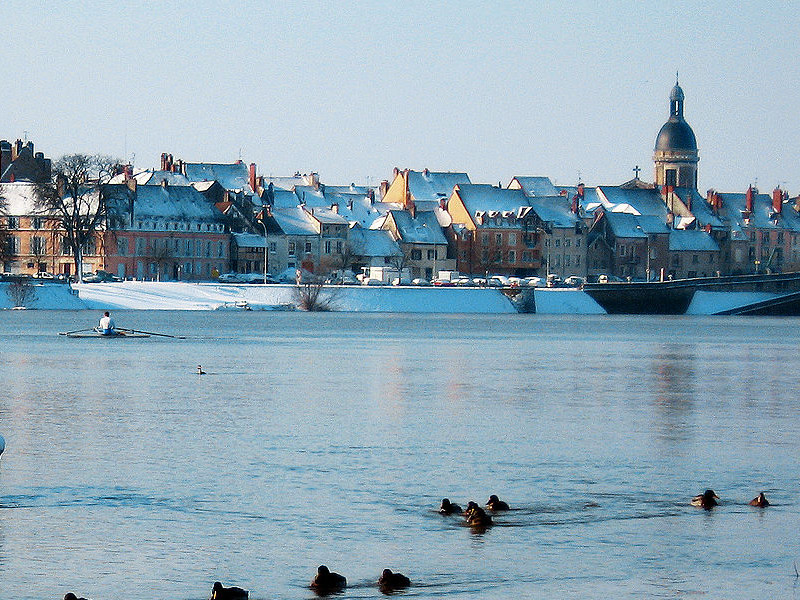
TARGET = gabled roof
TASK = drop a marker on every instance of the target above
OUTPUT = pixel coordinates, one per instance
(485, 197)
(373, 242)
(626, 225)
(635, 201)
(20, 198)
(232, 176)
(248, 240)
(327, 216)
(763, 216)
(556, 211)
(691, 240)
(151, 177)
(288, 182)
(294, 221)
(422, 229)
(537, 186)
(180, 202)
(433, 186)
(699, 207)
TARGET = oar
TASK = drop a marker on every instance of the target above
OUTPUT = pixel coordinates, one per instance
(177, 337)
(76, 331)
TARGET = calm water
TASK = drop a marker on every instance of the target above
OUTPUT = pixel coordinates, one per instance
(332, 438)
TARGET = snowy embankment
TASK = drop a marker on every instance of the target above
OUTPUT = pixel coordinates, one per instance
(137, 295)
(709, 303)
(47, 296)
(565, 301)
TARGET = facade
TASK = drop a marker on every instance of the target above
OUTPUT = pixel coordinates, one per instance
(422, 190)
(422, 242)
(494, 231)
(19, 162)
(247, 253)
(164, 233)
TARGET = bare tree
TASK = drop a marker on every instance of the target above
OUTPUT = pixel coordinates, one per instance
(77, 199)
(21, 293)
(162, 255)
(4, 248)
(313, 296)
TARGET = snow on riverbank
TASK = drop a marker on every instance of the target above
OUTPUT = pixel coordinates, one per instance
(565, 301)
(138, 295)
(48, 296)
(709, 303)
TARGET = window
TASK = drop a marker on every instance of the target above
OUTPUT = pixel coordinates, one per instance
(484, 239)
(273, 246)
(512, 256)
(177, 245)
(122, 246)
(12, 244)
(221, 249)
(208, 250)
(89, 247)
(622, 249)
(558, 243)
(695, 259)
(38, 245)
(512, 239)
(327, 247)
(140, 246)
(13, 222)
(291, 248)
(308, 247)
(431, 254)
(66, 250)
(577, 260)
(485, 256)
(416, 254)
(567, 260)
(578, 243)
(711, 259)
(37, 222)
(339, 247)
(527, 256)
(567, 243)
(498, 239)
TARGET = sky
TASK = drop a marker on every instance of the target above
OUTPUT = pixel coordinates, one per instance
(353, 89)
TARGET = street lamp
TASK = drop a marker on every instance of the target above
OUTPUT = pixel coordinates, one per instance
(264, 211)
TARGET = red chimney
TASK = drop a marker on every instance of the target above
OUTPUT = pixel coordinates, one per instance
(748, 199)
(777, 199)
(253, 176)
(163, 161)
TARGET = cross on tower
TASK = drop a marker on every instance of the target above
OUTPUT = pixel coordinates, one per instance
(636, 170)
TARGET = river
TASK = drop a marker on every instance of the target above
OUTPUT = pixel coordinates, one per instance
(331, 439)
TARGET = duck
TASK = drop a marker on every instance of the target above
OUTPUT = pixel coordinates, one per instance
(471, 506)
(327, 581)
(707, 500)
(200, 370)
(494, 504)
(230, 593)
(760, 500)
(478, 518)
(448, 508)
(389, 581)
(71, 596)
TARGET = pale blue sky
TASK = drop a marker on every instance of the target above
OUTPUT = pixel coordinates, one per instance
(353, 89)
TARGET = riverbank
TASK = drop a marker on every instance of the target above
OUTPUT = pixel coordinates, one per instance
(148, 295)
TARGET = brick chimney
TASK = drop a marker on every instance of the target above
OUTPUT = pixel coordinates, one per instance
(777, 200)
(382, 190)
(252, 172)
(748, 199)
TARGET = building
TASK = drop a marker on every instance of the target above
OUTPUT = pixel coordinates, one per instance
(19, 162)
(494, 231)
(422, 242)
(422, 190)
(675, 154)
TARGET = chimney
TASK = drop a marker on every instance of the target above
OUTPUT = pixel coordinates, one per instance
(163, 161)
(748, 200)
(164, 183)
(426, 172)
(252, 176)
(350, 204)
(395, 172)
(384, 187)
(131, 184)
(777, 199)
(175, 167)
(17, 149)
(335, 208)
(707, 228)
(315, 180)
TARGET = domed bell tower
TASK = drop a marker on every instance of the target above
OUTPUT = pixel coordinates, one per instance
(675, 154)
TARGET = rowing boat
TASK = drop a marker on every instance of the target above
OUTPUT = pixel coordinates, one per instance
(116, 336)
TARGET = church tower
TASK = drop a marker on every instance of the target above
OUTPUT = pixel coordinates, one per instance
(675, 154)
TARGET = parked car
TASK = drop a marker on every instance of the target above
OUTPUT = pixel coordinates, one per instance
(99, 277)
(371, 281)
(534, 282)
(401, 281)
(229, 278)
(554, 280)
(574, 281)
(420, 281)
(462, 281)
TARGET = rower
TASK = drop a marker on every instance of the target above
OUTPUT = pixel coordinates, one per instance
(200, 370)
(106, 326)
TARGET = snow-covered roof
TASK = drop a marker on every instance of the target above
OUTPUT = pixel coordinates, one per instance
(624, 225)
(327, 216)
(485, 197)
(763, 215)
(537, 186)
(232, 176)
(637, 201)
(555, 211)
(433, 186)
(20, 198)
(294, 221)
(699, 207)
(288, 183)
(692, 240)
(422, 229)
(180, 202)
(151, 177)
(248, 240)
(373, 243)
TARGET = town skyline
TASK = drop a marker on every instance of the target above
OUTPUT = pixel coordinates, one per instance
(353, 92)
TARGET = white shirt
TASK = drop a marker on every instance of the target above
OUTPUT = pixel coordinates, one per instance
(106, 322)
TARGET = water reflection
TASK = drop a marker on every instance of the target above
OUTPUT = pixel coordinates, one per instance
(673, 369)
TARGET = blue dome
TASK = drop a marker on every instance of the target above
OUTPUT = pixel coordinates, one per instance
(676, 135)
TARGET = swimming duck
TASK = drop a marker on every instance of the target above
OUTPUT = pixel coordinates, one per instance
(327, 581)
(389, 581)
(760, 500)
(478, 518)
(230, 593)
(448, 508)
(200, 370)
(471, 506)
(707, 500)
(494, 504)
(71, 596)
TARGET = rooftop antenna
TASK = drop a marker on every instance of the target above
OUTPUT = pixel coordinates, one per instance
(240, 154)
(579, 177)
(676, 77)
(25, 136)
